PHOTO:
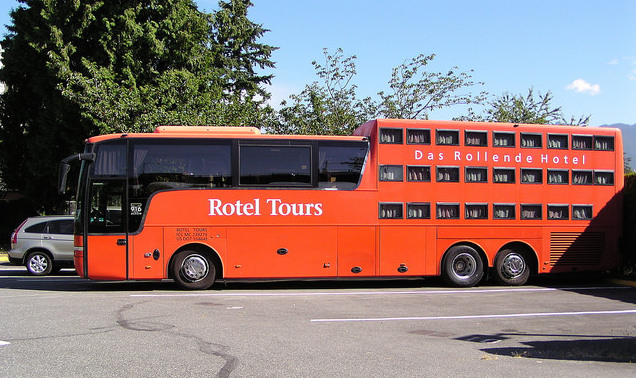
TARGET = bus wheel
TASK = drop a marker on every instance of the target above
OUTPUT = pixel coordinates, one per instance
(511, 268)
(462, 266)
(193, 270)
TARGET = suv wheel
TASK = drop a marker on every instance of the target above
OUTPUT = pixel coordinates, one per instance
(39, 263)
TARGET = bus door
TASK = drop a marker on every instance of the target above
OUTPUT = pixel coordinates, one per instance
(107, 240)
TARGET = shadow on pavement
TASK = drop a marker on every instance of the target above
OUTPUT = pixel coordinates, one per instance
(578, 348)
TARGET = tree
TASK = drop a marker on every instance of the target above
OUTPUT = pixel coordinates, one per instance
(627, 164)
(332, 106)
(237, 54)
(75, 69)
(528, 109)
(415, 92)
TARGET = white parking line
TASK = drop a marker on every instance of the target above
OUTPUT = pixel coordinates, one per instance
(4, 343)
(410, 292)
(491, 316)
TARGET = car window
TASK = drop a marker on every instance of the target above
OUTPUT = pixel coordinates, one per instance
(61, 227)
(37, 228)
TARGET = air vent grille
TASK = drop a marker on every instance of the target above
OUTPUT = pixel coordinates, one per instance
(576, 249)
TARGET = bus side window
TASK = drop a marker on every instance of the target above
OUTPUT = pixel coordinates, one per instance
(274, 165)
(106, 206)
(340, 165)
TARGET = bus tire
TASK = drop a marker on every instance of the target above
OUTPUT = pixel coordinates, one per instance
(511, 267)
(462, 266)
(39, 263)
(193, 270)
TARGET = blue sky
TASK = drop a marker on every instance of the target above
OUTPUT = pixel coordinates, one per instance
(583, 51)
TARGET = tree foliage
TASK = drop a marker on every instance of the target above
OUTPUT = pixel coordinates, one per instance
(416, 92)
(328, 107)
(525, 109)
(331, 106)
(78, 68)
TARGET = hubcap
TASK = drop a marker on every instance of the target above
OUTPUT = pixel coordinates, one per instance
(38, 263)
(194, 268)
(464, 265)
(513, 266)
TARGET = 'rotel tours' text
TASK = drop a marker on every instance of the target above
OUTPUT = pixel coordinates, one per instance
(273, 207)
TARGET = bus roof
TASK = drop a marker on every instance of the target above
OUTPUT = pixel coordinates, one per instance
(362, 132)
(366, 129)
(222, 132)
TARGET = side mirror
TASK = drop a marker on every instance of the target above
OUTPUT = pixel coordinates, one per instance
(65, 168)
(61, 178)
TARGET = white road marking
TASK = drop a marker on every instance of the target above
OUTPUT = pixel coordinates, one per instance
(411, 292)
(491, 316)
(4, 343)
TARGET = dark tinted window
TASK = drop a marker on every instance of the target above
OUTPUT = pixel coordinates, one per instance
(171, 164)
(418, 136)
(604, 143)
(503, 139)
(447, 137)
(531, 140)
(340, 166)
(581, 142)
(390, 136)
(275, 165)
(505, 175)
(558, 141)
(447, 174)
(503, 211)
(106, 212)
(391, 211)
(476, 138)
(391, 173)
(61, 227)
(447, 210)
(476, 174)
(110, 159)
(37, 228)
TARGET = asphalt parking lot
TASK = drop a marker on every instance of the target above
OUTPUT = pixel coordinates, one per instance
(62, 325)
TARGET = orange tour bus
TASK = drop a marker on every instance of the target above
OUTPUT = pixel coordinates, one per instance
(399, 198)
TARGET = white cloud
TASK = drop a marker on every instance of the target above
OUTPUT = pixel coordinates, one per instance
(582, 86)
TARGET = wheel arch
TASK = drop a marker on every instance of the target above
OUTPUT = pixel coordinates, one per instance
(475, 246)
(200, 248)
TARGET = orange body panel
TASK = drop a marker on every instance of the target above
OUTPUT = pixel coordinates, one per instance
(273, 252)
(403, 251)
(147, 257)
(357, 249)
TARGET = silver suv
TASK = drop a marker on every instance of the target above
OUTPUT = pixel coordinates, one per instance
(43, 244)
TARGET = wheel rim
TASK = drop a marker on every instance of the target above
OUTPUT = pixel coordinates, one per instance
(38, 263)
(464, 265)
(194, 268)
(513, 266)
